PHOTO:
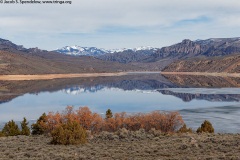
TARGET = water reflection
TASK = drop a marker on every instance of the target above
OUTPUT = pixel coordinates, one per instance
(189, 94)
(224, 119)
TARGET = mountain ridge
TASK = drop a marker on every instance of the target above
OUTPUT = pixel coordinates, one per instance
(159, 58)
(209, 48)
(186, 48)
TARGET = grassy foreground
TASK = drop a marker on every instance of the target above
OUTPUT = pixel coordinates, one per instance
(83, 134)
(125, 144)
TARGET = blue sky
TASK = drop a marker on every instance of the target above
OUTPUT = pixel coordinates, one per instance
(118, 23)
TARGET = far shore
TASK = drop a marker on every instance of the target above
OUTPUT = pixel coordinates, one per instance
(82, 75)
(222, 74)
(56, 76)
(26, 77)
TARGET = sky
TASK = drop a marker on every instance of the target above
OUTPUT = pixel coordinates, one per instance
(112, 24)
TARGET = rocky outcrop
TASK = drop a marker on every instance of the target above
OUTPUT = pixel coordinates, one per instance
(209, 48)
(8, 45)
(186, 48)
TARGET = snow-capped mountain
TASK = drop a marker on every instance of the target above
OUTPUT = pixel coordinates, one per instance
(93, 51)
(142, 48)
(81, 51)
(145, 48)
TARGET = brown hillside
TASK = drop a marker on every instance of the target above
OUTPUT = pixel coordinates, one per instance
(196, 81)
(17, 62)
(229, 64)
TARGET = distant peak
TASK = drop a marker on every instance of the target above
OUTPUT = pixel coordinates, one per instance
(4, 41)
(9, 44)
(186, 41)
(143, 48)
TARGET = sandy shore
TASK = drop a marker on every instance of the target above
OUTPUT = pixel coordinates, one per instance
(204, 74)
(79, 75)
(55, 76)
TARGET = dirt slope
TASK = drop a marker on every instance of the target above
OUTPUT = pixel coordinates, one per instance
(51, 63)
(229, 64)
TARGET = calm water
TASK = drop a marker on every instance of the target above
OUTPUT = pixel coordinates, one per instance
(220, 103)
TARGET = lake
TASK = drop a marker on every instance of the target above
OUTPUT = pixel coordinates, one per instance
(197, 98)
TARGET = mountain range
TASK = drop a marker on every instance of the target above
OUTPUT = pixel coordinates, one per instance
(93, 51)
(185, 49)
(158, 58)
(124, 55)
(211, 55)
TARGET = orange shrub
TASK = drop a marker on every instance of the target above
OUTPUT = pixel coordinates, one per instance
(53, 120)
(166, 122)
(88, 120)
(134, 122)
(163, 121)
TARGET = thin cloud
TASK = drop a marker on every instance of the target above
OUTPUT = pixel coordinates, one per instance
(118, 23)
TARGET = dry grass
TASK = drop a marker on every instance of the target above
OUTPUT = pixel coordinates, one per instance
(126, 145)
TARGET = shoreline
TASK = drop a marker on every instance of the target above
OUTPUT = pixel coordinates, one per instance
(69, 75)
(83, 75)
(57, 76)
(216, 74)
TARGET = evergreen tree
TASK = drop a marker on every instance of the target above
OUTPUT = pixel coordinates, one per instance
(11, 129)
(184, 129)
(38, 128)
(69, 133)
(25, 128)
(206, 127)
(109, 114)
